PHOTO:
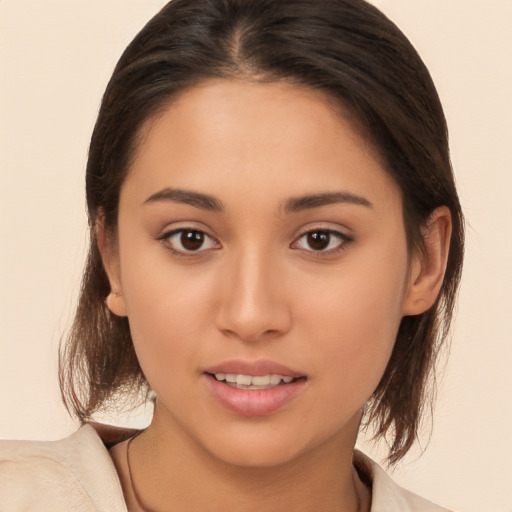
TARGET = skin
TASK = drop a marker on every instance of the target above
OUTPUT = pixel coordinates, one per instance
(257, 289)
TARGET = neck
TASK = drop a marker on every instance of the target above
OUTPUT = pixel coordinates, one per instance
(168, 467)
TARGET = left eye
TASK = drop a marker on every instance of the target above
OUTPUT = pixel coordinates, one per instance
(321, 240)
(189, 240)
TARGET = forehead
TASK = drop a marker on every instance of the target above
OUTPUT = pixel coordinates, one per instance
(257, 136)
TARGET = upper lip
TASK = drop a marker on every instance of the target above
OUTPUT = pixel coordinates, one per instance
(256, 368)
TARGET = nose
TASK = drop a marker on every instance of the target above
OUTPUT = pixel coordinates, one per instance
(253, 303)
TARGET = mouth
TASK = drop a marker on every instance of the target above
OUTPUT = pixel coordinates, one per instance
(254, 388)
(243, 381)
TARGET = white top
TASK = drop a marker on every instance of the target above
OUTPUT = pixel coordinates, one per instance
(77, 474)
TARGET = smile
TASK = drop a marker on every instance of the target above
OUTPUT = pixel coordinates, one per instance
(254, 388)
(241, 381)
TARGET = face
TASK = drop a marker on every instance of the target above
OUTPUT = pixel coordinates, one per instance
(261, 242)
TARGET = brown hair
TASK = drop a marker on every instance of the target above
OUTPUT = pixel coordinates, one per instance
(346, 48)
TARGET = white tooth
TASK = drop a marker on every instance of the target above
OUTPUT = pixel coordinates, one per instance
(230, 377)
(275, 380)
(263, 380)
(269, 386)
(244, 379)
(287, 380)
(220, 376)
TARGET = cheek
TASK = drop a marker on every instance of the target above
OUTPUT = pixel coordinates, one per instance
(167, 308)
(353, 316)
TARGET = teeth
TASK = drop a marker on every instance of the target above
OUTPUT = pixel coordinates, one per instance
(246, 380)
(264, 380)
(254, 382)
(275, 380)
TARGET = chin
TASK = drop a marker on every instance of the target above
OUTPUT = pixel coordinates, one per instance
(265, 444)
(255, 455)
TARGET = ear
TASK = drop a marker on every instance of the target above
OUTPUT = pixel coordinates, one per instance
(428, 266)
(110, 258)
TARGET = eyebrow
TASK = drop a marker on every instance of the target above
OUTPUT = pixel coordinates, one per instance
(298, 204)
(295, 204)
(203, 201)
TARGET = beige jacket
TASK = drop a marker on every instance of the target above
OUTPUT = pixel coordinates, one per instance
(76, 474)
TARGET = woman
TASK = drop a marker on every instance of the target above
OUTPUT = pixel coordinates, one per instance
(276, 245)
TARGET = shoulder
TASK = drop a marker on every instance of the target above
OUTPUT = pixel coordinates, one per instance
(75, 473)
(386, 494)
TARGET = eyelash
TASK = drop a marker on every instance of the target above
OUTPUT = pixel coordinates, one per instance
(166, 238)
(343, 240)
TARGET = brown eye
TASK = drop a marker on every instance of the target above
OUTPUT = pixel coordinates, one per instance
(186, 241)
(325, 241)
(318, 240)
(192, 240)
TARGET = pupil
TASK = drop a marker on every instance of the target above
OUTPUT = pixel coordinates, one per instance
(192, 240)
(319, 240)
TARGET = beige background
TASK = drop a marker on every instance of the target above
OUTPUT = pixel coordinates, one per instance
(55, 59)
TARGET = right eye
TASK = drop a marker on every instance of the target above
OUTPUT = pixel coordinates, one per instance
(187, 241)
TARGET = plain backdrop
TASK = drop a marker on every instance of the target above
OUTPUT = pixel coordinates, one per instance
(55, 59)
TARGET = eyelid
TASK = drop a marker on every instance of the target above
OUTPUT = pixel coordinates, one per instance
(168, 234)
(343, 238)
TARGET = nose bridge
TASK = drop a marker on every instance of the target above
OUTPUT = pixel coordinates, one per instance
(253, 300)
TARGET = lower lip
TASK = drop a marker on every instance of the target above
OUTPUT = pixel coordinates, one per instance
(254, 402)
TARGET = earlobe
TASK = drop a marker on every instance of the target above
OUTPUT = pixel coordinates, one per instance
(110, 258)
(428, 267)
(115, 303)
